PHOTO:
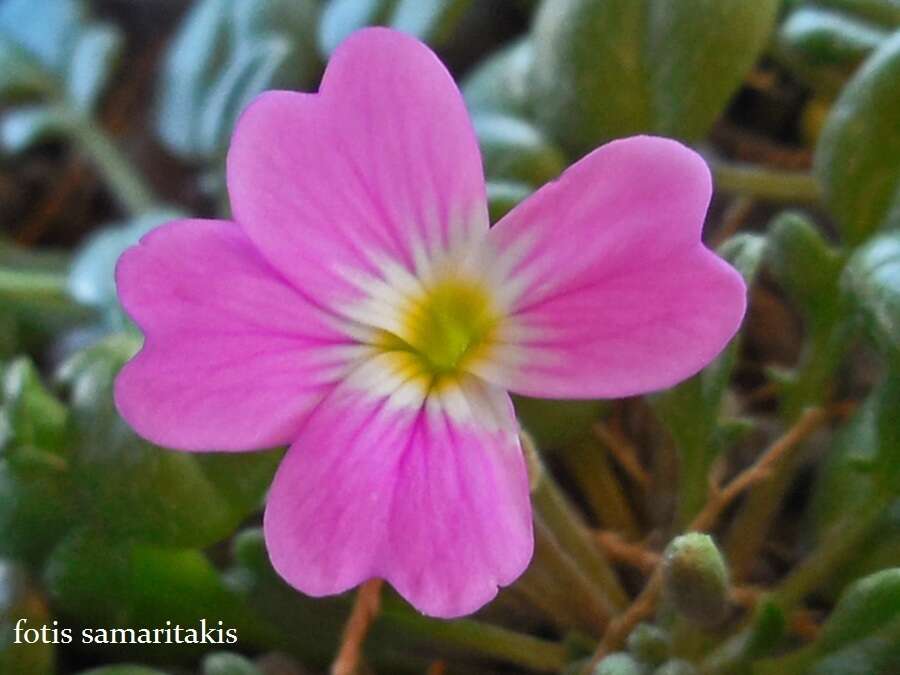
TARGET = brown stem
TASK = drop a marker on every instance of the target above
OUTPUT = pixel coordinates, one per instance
(365, 611)
(621, 551)
(624, 452)
(645, 604)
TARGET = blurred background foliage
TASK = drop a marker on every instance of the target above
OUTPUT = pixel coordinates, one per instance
(115, 116)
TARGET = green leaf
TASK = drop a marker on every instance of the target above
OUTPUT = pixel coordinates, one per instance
(823, 47)
(504, 195)
(858, 154)
(36, 510)
(514, 150)
(223, 55)
(25, 127)
(93, 58)
(132, 489)
(117, 584)
(806, 266)
(886, 468)
(33, 416)
(885, 12)
(500, 83)
(610, 68)
(872, 281)
(431, 21)
(866, 606)
(18, 601)
(875, 655)
(826, 38)
(35, 493)
(92, 273)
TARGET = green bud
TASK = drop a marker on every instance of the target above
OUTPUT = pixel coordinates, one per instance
(225, 663)
(620, 663)
(676, 667)
(695, 579)
(649, 643)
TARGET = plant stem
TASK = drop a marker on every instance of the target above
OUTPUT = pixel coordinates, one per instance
(568, 528)
(485, 639)
(126, 184)
(752, 523)
(33, 286)
(589, 466)
(589, 605)
(767, 184)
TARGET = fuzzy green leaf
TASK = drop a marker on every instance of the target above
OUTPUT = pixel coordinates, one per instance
(223, 55)
(514, 150)
(611, 68)
(858, 154)
(135, 490)
(872, 280)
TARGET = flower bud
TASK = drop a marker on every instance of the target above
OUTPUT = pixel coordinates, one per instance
(620, 663)
(695, 579)
(676, 667)
(649, 643)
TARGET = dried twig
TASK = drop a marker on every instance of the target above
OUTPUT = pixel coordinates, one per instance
(365, 611)
(645, 604)
(624, 452)
(622, 551)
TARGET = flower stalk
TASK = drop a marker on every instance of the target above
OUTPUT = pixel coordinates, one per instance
(567, 528)
(126, 184)
(480, 638)
(767, 184)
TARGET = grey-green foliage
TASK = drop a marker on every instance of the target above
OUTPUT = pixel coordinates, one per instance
(860, 637)
(500, 83)
(612, 68)
(223, 55)
(806, 267)
(822, 46)
(858, 154)
(432, 21)
(872, 279)
(513, 149)
(54, 56)
(92, 273)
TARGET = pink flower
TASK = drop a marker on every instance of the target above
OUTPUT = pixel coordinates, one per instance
(360, 309)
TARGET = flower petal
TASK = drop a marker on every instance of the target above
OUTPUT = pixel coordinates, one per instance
(233, 357)
(614, 293)
(430, 495)
(380, 168)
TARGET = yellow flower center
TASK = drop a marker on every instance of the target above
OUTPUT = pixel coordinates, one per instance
(446, 327)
